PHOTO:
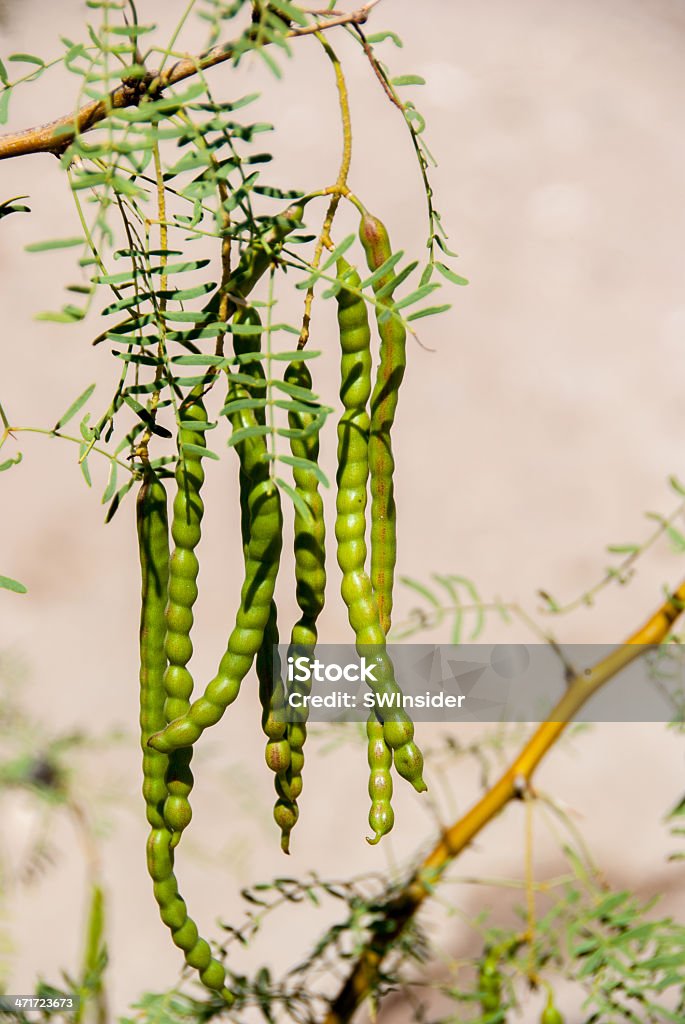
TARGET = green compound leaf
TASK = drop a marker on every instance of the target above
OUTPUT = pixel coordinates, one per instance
(7, 583)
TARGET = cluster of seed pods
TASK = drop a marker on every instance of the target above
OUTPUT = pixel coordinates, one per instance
(171, 722)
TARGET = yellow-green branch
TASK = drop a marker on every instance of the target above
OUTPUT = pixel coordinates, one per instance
(57, 135)
(512, 784)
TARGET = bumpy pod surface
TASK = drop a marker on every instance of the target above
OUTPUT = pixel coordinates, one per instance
(271, 694)
(392, 363)
(183, 571)
(350, 525)
(174, 914)
(153, 548)
(310, 582)
(381, 814)
(261, 568)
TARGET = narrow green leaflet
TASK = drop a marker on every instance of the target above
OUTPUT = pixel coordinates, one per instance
(5, 105)
(84, 465)
(298, 501)
(245, 433)
(297, 355)
(295, 390)
(27, 58)
(422, 590)
(7, 583)
(197, 425)
(450, 275)
(379, 37)
(339, 251)
(198, 449)
(384, 269)
(111, 484)
(306, 464)
(117, 499)
(238, 404)
(8, 463)
(53, 243)
(74, 407)
(416, 296)
(429, 311)
(408, 80)
(396, 281)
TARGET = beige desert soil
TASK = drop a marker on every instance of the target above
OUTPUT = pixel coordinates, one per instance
(541, 428)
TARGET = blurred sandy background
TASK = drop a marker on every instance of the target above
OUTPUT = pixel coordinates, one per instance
(542, 427)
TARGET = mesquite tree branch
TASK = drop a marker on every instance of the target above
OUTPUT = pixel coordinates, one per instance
(512, 784)
(56, 136)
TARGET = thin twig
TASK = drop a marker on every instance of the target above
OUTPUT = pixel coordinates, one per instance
(338, 189)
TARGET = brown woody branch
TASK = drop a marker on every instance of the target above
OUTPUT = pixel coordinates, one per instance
(513, 783)
(57, 135)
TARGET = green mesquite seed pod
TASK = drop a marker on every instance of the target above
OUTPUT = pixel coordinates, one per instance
(245, 344)
(374, 239)
(174, 914)
(310, 582)
(256, 260)
(259, 257)
(183, 571)
(350, 523)
(381, 815)
(271, 691)
(261, 569)
(550, 1014)
(271, 697)
(223, 689)
(153, 547)
(153, 544)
